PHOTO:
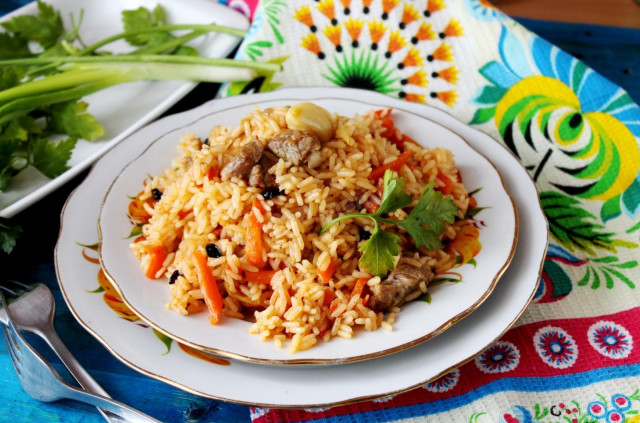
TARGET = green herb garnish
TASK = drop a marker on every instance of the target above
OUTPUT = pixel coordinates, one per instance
(9, 233)
(46, 70)
(425, 223)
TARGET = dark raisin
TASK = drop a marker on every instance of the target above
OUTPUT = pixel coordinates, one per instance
(270, 193)
(364, 235)
(213, 251)
(173, 277)
(157, 194)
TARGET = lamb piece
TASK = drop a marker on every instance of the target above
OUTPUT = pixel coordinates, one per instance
(240, 166)
(259, 176)
(297, 147)
(402, 285)
(256, 177)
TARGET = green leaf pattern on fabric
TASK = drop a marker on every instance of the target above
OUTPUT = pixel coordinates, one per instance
(581, 150)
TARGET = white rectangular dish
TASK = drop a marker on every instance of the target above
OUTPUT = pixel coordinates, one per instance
(124, 108)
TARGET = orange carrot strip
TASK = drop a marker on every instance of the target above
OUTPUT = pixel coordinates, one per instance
(358, 287)
(214, 172)
(157, 256)
(407, 138)
(448, 183)
(389, 127)
(404, 138)
(396, 165)
(137, 211)
(329, 295)
(253, 247)
(183, 213)
(262, 276)
(196, 307)
(371, 206)
(382, 113)
(209, 288)
(327, 274)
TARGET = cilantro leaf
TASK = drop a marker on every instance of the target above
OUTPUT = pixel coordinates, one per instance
(378, 253)
(7, 149)
(423, 236)
(427, 220)
(186, 51)
(57, 50)
(19, 129)
(143, 18)
(425, 223)
(71, 118)
(51, 158)
(13, 47)
(11, 76)
(46, 28)
(159, 16)
(9, 233)
(393, 198)
(13, 131)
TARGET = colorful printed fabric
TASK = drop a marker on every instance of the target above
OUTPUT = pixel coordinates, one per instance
(246, 7)
(573, 356)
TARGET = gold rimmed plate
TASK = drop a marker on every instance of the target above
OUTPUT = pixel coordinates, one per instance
(99, 311)
(417, 322)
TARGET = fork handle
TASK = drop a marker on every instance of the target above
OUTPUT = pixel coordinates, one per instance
(106, 403)
(77, 371)
(75, 368)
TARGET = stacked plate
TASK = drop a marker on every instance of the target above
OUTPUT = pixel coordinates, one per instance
(496, 289)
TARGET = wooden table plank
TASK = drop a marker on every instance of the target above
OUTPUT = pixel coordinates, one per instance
(623, 13)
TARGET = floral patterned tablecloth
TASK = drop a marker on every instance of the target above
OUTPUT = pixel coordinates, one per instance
(571, 357)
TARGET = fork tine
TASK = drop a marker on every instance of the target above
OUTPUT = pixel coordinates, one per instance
(9, 338)
(14, 348)
(10, 348)
(17, 289)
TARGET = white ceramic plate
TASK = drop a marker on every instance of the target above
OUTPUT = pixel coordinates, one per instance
(306, 386)
(418, 320)
(121, 109)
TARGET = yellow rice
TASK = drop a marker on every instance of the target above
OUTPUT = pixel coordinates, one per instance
(195, 211)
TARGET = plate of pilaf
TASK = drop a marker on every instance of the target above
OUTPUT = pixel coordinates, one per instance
(323, 231)
(99, 309)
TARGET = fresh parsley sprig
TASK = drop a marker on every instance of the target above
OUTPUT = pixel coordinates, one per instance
(45, 71)
(9, 233)
(425, 223)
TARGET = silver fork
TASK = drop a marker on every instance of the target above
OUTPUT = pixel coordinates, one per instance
(33, 312)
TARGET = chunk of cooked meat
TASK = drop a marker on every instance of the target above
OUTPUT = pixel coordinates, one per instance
(296, 147)
(256, 177)
(402, 285)
(240, 166)
(259, 177)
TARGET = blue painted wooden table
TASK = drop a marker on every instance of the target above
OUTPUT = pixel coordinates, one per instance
(614, 52)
